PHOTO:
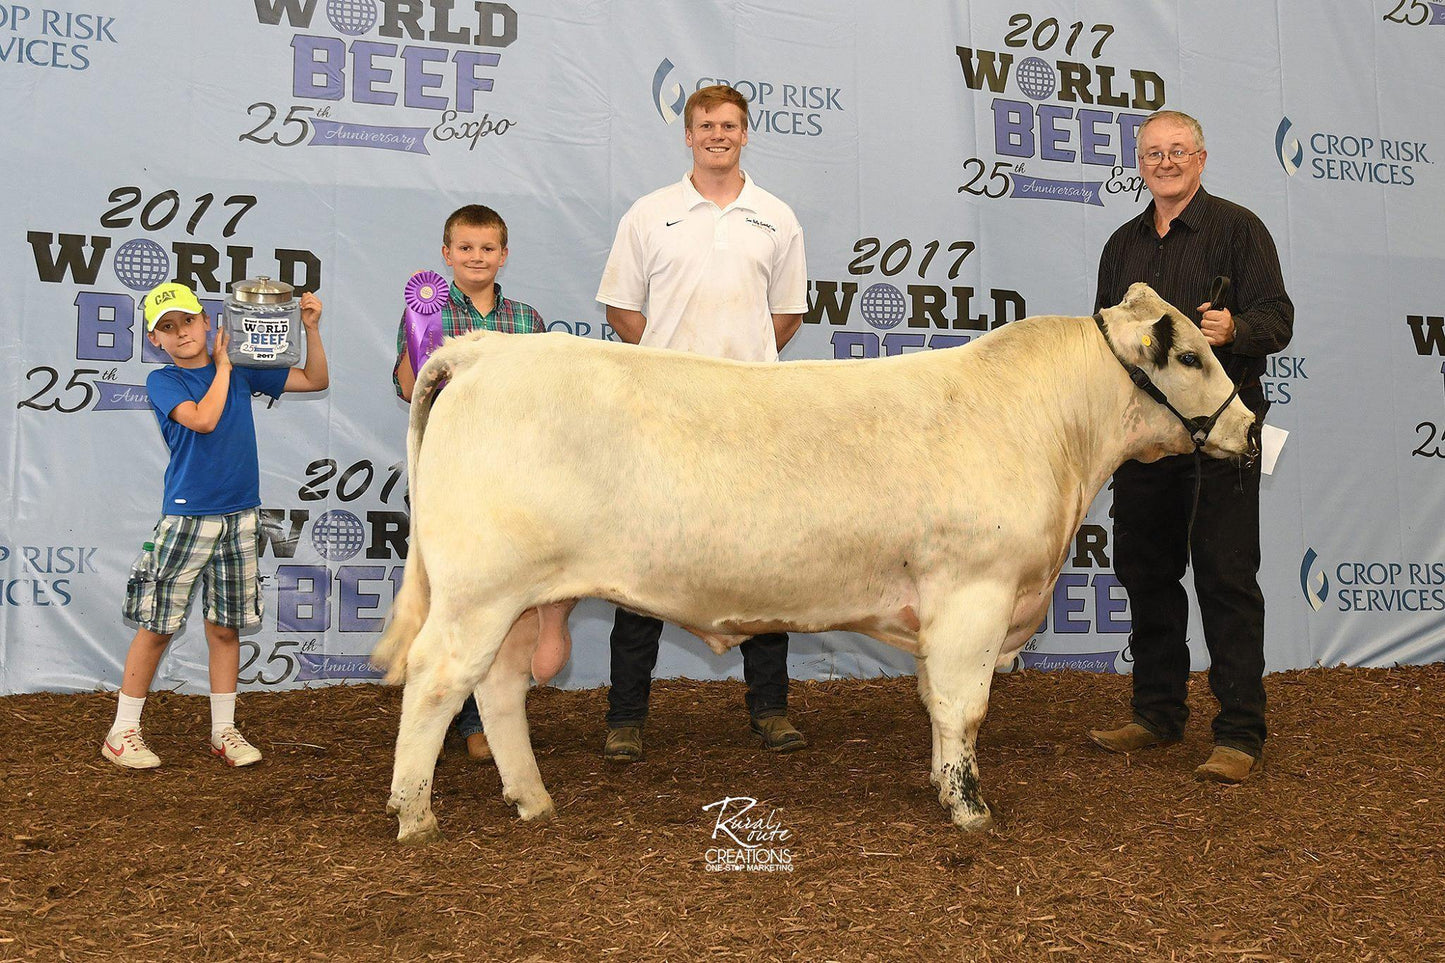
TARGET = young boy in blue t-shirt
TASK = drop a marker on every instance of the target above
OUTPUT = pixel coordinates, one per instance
(209, 527)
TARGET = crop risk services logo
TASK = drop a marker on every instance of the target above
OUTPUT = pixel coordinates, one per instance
(747, 839)
(1057, 103)
(1373, 586)
(1314, 585)
(1350, 156)
(801, 110)
(58, 39)
(1284, 377)
(387, 75)
(667, 95)
(44, 575)
(1287, 147)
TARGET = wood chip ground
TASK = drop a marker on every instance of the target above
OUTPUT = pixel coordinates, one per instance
(1336, 851)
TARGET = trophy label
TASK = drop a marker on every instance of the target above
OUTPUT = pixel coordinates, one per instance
(264, 338)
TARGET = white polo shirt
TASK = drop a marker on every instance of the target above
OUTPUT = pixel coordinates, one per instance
(708, 279)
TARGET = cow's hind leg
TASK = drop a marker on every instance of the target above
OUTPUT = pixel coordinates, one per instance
(427, 707)
(502, 696)
(960, 642)
(926, 694)
(439, 674)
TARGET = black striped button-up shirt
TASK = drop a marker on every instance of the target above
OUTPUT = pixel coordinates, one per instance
(1210, 237)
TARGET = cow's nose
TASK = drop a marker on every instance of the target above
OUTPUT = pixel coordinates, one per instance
(1252, 443)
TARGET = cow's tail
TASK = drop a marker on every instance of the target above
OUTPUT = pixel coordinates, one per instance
(409, 610)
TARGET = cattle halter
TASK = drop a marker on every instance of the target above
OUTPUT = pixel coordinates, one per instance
(1198, 427)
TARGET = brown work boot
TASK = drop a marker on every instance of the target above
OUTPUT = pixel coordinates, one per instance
(1227, 765)
(624, 744)
(1130, 738)
(778, 734)
(478, 748)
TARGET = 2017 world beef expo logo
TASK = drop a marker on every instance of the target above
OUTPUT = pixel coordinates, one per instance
(1075, 109)
(425, 79)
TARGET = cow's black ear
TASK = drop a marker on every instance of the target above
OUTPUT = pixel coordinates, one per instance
(1163, 338)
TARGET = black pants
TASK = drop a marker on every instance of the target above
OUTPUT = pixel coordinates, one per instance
(634, 656)
(1151, 518)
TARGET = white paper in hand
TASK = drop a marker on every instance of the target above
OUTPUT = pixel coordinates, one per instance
(1271, 442)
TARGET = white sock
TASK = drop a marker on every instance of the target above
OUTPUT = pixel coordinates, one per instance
(223, 711)
(127, 713)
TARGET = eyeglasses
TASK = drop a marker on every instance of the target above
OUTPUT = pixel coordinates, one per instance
(1156, 157)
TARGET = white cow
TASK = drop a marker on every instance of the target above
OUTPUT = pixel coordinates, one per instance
(738, 498)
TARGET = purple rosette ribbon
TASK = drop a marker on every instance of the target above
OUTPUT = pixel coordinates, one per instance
(426, 294)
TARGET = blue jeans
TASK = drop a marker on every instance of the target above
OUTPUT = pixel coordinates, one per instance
(634, 656)
(469, 720)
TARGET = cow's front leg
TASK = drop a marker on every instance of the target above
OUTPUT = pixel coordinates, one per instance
(431, 698)
(960, 643)
(503, 699)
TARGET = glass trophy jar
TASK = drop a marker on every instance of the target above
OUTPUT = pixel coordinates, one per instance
(263, 318)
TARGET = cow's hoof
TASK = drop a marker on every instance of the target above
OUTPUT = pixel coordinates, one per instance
(425, 832)
(972, 820)
(538, 812)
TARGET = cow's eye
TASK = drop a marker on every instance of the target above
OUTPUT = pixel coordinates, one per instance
(1190, 360)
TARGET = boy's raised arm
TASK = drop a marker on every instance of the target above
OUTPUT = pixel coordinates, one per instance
(314, 376)
(203, 416)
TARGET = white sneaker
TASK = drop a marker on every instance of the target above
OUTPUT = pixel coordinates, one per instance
(231, 746)
(128, 750)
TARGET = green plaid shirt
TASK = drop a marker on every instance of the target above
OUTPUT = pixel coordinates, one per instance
(460, 315)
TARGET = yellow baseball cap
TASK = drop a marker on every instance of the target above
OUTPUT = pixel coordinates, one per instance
(167, 297)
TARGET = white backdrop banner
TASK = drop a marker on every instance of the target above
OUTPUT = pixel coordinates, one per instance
(955, 166)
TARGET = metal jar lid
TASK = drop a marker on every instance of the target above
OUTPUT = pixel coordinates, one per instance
(262, 290)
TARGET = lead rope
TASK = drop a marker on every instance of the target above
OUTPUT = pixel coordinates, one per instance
(1198, 432)
(1194, 507)
(1218, 291)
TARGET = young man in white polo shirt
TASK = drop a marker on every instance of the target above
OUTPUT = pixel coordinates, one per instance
(712, 264)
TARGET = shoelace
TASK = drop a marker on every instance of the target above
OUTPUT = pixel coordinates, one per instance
(132, 740)
(231, 738)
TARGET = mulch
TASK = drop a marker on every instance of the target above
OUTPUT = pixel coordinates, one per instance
(1334, 852)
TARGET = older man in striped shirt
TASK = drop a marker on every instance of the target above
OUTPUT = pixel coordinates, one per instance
(1184, 239)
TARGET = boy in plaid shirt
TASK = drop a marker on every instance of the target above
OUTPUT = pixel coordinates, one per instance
(209, 527)
(474, 246)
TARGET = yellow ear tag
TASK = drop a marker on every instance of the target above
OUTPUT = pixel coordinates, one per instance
(1148, 341)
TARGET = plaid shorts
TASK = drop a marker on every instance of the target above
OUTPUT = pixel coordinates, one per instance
(219, 550)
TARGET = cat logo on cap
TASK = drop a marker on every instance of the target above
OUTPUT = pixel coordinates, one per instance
(167, 297)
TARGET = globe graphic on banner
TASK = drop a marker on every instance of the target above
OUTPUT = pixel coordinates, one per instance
(141, 264)
(351, 17)
(883, 306)
(1035, 78)
(338, 535)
